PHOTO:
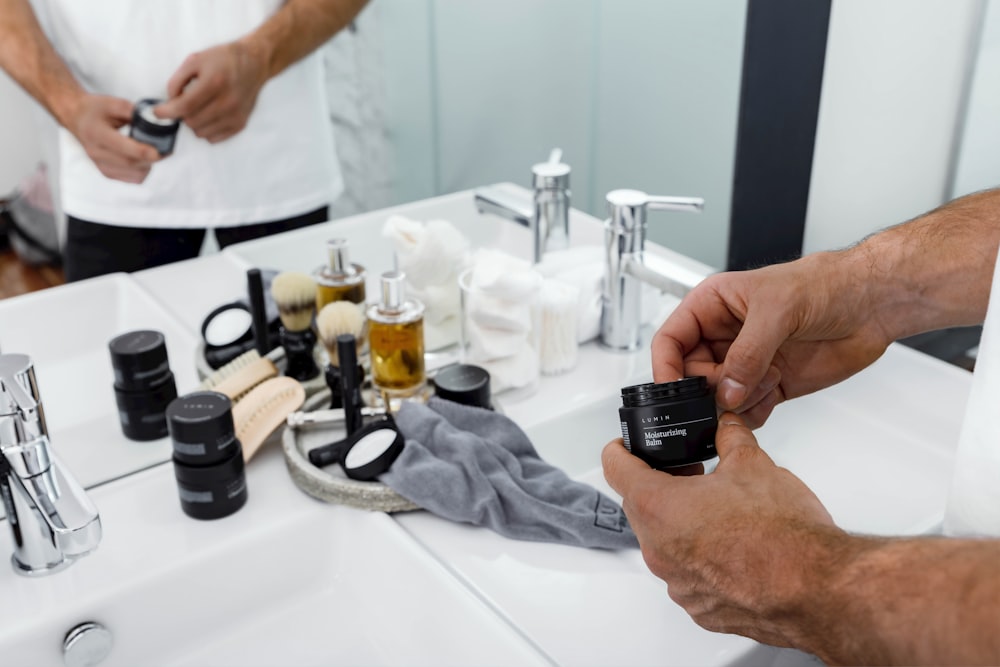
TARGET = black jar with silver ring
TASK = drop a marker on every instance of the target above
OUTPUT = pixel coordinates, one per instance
(147, 127)
(670, 424)
(208, 458)
(144, 385)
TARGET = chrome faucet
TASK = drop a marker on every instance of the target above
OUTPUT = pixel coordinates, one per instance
(52, 520)
(547, 215)
(625, 267)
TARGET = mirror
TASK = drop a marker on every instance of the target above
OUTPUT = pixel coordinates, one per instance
(430, 97)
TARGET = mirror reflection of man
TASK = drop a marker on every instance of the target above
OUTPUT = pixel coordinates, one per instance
(255, 154)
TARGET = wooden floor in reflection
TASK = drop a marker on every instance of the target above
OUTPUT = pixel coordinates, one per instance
(18, 277)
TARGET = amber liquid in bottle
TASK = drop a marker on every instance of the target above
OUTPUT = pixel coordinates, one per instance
(339, 279)
(397, 356)
(396, 340)
(328, 292)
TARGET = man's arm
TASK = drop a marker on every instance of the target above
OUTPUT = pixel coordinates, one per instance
(215, 90)
(29, 58)
(298, 29)
(27, 55)
(934, 271)
(750, 550)
(765, 336)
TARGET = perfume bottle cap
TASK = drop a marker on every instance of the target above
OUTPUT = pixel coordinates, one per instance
(340, 261)
(393, 290)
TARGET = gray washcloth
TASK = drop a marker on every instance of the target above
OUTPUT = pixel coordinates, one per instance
(476, 466)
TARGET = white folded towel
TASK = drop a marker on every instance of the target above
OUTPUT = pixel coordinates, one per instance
(501, 300)
(431, 254)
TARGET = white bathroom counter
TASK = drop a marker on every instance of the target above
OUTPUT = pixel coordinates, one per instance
(290, 580)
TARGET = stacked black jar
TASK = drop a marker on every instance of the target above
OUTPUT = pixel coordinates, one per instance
(144, 385)
(208, 458)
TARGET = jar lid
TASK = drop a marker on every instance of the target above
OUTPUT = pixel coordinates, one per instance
(201, 427)
(143, 116)
(465, 384)
(652, 392)
(139, 359)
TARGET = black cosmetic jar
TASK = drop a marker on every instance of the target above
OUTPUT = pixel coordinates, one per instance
(144, 385)
(465, 384)
(208, 458)
(669, 424)
(160, 133)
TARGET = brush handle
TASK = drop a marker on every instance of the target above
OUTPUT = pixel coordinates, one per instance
(299, 361)
(350, 381)
(258, 311)
(332, 453)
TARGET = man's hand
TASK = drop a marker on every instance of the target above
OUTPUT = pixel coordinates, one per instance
(764, 336)
(96, 123)
(748, 549)
(214, 91)
(740, 548)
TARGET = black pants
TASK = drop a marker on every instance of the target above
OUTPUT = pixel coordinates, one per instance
(93, 248)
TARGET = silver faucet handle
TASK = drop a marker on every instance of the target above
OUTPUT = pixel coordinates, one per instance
(693, 204)
(551, 175)
(23, 431)
(18, 391)
(19, 396)
(627, 208)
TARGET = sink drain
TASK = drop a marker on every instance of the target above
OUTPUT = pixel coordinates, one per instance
(86, 645)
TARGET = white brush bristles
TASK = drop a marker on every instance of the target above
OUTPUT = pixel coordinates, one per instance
(336, 318)
(295, 295)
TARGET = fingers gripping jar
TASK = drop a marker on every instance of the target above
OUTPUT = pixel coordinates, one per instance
(669, 424)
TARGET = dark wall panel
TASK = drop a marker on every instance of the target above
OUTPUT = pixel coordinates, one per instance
(784, 52)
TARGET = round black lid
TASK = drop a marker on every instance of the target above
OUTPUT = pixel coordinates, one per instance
(665, 392)
(372, 450)
(465, 384)
(201, 426)
(139, 359)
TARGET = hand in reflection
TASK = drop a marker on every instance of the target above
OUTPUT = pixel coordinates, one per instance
(215, 90)
(96, 124)
(743, 549)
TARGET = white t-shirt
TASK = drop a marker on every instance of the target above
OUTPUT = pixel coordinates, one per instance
(282, 164)
(974, 500)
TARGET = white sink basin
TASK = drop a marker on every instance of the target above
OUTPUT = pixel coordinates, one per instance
(878, 471)
(286, 580)
(66, 330)
(289, 580)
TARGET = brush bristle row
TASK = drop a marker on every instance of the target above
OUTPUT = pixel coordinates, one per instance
(295, 295)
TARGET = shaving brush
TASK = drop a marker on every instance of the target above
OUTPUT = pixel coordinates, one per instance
(334, 319)
(295, 295)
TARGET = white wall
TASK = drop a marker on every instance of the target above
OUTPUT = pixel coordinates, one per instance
(892, 89)
(20, 145)
(979, 155)
(637, 93)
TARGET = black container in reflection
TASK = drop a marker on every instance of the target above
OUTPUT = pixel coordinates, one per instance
(208, 458)
(670, 424)
(144, 385)
(147, 127)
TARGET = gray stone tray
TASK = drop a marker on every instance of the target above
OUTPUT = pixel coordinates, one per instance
(331, 484)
